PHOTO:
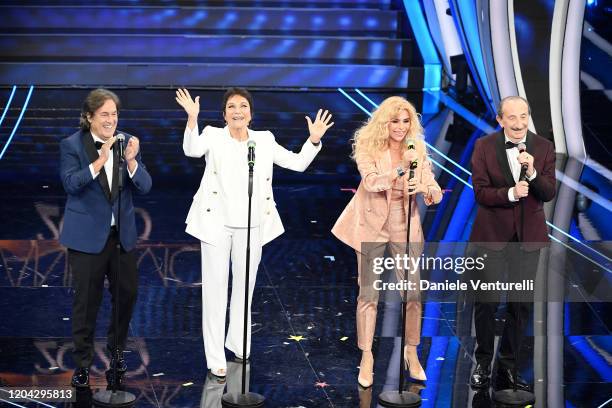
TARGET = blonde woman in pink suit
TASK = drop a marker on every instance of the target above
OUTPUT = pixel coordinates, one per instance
(383, 149)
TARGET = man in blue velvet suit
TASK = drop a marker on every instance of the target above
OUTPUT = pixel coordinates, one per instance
(90, 173)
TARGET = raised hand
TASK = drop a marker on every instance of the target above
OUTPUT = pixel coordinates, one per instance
(191, 106)
(132, 148)
(105, 149)
(103, 154)
(320, 125)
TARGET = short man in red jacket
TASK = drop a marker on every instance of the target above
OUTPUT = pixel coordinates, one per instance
(510, 210)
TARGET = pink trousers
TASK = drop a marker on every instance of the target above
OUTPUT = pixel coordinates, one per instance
(393, 238)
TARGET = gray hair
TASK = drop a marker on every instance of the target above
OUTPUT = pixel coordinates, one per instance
(500, 109)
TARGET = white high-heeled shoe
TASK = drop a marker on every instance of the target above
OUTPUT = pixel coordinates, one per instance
(413, 365)
(366, 371)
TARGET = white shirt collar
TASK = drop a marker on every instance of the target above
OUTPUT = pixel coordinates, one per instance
(95, 138)
(507, 139)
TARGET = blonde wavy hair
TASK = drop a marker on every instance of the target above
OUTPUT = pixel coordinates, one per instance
(373, 137)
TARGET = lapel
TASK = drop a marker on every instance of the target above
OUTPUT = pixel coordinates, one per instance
(502, 158)
(530, 143)
(383, 163)
(92, 154)
(115, 186)
(222, 145)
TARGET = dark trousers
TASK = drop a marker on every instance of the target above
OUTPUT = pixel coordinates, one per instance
(509, 265)
(88, 271)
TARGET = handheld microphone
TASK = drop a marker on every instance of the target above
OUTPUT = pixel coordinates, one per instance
(251, 154)
(120, 143)
(523, 176)
(413, 166)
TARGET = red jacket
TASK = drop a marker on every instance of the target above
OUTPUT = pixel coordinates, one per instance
(498, 219)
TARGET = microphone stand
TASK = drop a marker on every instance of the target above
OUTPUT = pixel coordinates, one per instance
(245, 398)
(513, 396)
(114, 397)
(401, 398)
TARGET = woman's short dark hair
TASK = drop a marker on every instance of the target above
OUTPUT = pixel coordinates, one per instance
(94, 100)
(238, 91)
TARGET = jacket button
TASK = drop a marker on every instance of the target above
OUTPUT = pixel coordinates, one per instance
(267, 198)
(268, 212)
(214, 192)
(268, 179)
(208, 210)
(215, 172)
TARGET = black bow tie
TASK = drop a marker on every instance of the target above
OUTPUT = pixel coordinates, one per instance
(99, 145)
(510, 145)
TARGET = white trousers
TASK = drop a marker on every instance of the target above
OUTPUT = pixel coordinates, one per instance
(215, 273)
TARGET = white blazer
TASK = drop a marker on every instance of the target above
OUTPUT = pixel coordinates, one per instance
(205, 219)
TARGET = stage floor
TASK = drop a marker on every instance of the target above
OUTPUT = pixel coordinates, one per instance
(304, 351)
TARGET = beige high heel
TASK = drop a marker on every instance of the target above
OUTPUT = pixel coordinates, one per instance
(366, 370)
(411, 359)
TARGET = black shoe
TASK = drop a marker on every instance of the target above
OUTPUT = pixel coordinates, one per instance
(480, 376)
(111, 380)
(121, 370)
(83, 398)
(482, 399)
(121, 365)
(506, 380)
(80, 378)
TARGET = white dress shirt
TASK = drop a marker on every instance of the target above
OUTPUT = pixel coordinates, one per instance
(108, 169)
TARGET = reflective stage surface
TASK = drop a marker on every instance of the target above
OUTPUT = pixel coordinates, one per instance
(304, 337)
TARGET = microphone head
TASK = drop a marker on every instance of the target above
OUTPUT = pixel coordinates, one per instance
(251, 153)
(521, 147)
(410, 143)
(414, 164)
(120, 137)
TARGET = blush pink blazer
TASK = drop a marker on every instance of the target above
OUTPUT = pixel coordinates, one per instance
(364, 217)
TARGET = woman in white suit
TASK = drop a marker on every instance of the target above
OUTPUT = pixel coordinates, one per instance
(218, 214)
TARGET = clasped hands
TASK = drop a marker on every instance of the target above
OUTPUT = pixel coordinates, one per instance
(521, 189)
(131, 150)
(525, 158)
